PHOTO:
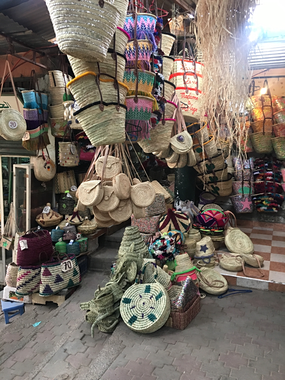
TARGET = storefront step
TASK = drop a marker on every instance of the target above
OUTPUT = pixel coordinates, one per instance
(114, 240)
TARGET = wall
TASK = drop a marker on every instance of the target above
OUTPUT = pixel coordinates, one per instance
(276, 85)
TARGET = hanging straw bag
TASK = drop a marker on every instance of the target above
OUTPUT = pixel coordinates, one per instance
(68, 153)
(158, 206)
(90, 193)
(109, 167)
(59, 274)
(159, 137)
(13, 125)
(28, 280)
(221, 188)
(65, 181)
(44, 168)
(11, 275)
(145, 308)
(142, 194)
(96, 20)
(140, 79)
(242, 203)
(9, 230)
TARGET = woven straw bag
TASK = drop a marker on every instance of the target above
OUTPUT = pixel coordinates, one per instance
(232, 262)
(191, 158)
(13, 125)
(159, 137)
(59, 274)
(181, 143)
(279, 147)
(215, 176)
(103, 126)
(167, 41)
(64, 181)
(112, 168)
(211, 281)
(242, 203)
(145, 308)
(49, 219)
(221, 188)
(44, 168)
(261, 142)
(121, 38)
(87, 227)
(90, 193)
(170, 108)
(141, 23)
(138, 212)
(167, 66)
(145, 49)
(123, 212)
(75, 219)
(207, 150)
(145, 80)
(195, 235)
(238, 242)
(68, 154)
(174, 220)
(258, 126)
(56, 111)
(56, 95)
(169, 89)
(39, 249)
(11, 275)
(150, 273)
(199, 133)
(97, 21)
(142, 194)
(140, 109)
(211, 164)
(122, 186)
(109, 201)
(28, 280)
(159, 189)
(157, 207)
(57, 78)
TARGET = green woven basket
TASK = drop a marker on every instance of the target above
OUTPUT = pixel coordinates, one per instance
(279, 147)
(262, 142)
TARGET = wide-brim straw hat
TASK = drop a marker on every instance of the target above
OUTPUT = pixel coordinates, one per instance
(204, 247)
(90, 193)
(194, 234)
(237, 241)
(142, 194)
(13, 125)
(212, 281)
(110, 201)
(181, 143)
(123, 212)
(138, 212)
(112, 168)
(122, 186)
(183, 262)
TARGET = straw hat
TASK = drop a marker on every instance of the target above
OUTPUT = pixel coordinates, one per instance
(238, 242)
(212, 281)
(122, 186)
(139, 212)
(90, 193)
(110, 201)
(204, 248)
(123, 212)
(112, 168)
(13, 125)
(172, 158)
(142, 194)
(183, 262)
(181, 143)
(183, 159)
(194, 234)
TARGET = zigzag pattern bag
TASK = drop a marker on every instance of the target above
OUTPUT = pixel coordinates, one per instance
(59, 274)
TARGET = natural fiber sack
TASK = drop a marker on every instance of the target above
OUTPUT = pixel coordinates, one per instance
(261, 142)
(211, 281)
(13, 125)
(59, 274)
(28, 280)
(145, 308)
(231, 261)
(142, 194)
(44, 168)
(68, 154)
(159, 137)
(148, 225)
(112, 167)
(174, 220)
(11, 275)
(90, 193)
(96, 20)
(122, 186)
(64, 181)
(123, 212)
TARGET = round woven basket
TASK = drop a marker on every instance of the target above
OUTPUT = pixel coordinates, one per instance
(279, 147)
(144, 51)
(170, 107)
(181, 143)
(169, 88)
(145, 80)
(142, 194)
(167, 41)
(123, 212)
(261, 142)
(56, 95)
(87, 227)
(96, 25)
(103, 127)
(109, 202)
(57, 78)
(257, 126)
(238, 242)
(11, 275)
(113, 167)
(221, 188)
(90, 193)
(56, 112)
(84, 88)
(101, 216)
(167, 66)
(159, 137)
(121, 39)
(122, 186)
(145, 308)
(13, 125)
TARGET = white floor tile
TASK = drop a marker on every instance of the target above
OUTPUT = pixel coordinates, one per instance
(263, 228)
(279, 233)
(266, 264)
(259, 236)
(262, 248)
(276, 243)
(277, 258)
(277, 276)
(225, 272)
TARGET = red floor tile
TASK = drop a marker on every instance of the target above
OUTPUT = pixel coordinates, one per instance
(279, 238)
(278, 250)
(254, 273)
(277, 267)
(265, 255)
(278, 226)
(261, 241)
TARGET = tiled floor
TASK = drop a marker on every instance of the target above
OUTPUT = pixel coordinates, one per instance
(269, 242)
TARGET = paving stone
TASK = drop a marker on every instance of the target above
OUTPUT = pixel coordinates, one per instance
(167, 372)
(178, 349)
(240, 339)
(59, 369)
(8, 363)
(135, 352)
(21, 368)
(274, 376)
(74, 347)
(118, 374)
(222, 345)
(160, 358)
(60, 355)
(187, 363)
(140, 367)
(215, 368)
(78, 360)
(23, 354)
(263, 366)
(233, 360)
(119, 362)
(263, 342)
(144, 377)
(205, 353)
(251, 351)
(158, 343)
(245, 373)
(7, 374)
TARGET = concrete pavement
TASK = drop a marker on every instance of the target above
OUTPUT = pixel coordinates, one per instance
(240, 337)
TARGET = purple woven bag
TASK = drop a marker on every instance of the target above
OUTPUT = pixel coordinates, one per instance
(34, 248)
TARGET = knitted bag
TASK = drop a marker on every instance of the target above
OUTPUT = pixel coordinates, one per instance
(146, 225)
(157, 207)
(174, 220)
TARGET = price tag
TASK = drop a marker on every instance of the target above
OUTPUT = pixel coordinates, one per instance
(46, 210)
(73, 149)
(26, 136)
(73, 188)
(66, 266)
(13, 124)
(71, 242)
(23, 245)
(78, 236)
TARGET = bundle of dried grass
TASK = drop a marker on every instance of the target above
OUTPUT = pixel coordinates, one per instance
(222, 36)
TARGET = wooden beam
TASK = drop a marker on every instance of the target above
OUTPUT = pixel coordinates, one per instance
(187, 5)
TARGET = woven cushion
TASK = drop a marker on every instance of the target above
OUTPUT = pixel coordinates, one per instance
(174, 220)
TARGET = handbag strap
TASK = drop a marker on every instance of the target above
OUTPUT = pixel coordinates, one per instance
(7, 67)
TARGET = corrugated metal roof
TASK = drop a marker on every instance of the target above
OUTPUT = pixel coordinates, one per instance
(268, 55)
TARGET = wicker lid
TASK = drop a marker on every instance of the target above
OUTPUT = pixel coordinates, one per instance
(112, 168)
(181, 143)
(142, 194)
(13, 125)
(123, 212)
(238, 242)
(205, 247)
(122, 186)
(110, 201)
(90, 193)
